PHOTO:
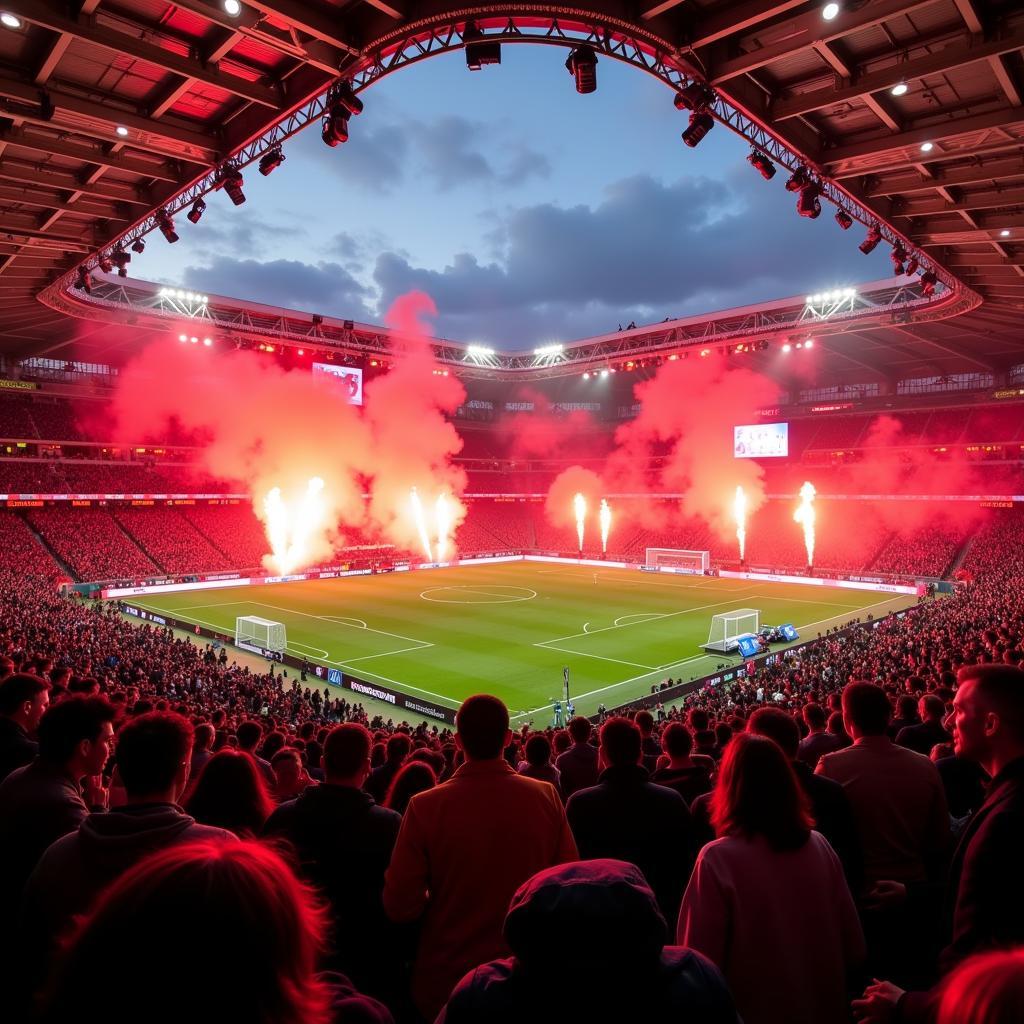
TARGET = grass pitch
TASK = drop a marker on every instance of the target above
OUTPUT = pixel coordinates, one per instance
(509, 628)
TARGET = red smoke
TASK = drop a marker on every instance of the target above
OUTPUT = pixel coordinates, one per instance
(558, 506)
(543, 433)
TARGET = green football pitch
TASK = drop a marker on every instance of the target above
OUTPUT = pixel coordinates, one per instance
(510, 628)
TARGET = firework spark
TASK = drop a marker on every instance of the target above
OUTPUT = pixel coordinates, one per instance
(805, 515)
(606, 524)
(739, 510)
(421, 523)
(291, 525)
(579, 504)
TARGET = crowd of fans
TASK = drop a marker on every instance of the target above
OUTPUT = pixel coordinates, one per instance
(171, 541)
(91, 544)
(838, 836)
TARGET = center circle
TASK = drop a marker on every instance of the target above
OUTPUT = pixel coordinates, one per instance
(481, 594)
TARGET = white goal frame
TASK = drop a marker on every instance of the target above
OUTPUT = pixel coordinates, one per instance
(679, 558)
(728, 627)
(253, 632)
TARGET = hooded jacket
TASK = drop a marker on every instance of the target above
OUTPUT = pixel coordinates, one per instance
(588, 943)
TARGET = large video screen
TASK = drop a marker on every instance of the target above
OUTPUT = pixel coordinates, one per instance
(350, 378)
(761, 441)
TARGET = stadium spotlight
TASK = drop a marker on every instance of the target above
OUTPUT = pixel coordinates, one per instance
(912, 265)
(341, 105)
(761, 164)
(208, 342)
(231, 181)
(898, 257)
(797, 179)
(695, 96)
(121, 259)
(165, 222)
(871, 240)
(701, 122)
(233, 7)
(927, 147)
(139, 246)
(582, 65)
(479, 52)
(586, 375)
(899, 89)
(198, 209)
(9, 20)
(844, 220)
(928, 283)
(809, 343)
(787, 347)
(1005, 233)
(830, 11)
(106, 263)
(84, 280)
(808, 204)
(271, 161)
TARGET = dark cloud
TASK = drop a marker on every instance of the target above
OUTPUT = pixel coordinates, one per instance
(321, 287)
(373, 160)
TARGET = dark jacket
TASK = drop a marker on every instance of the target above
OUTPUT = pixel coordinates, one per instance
(922, 737)
(379, 781)
(626, 817)
(689, 783)
(578, 768)
(343, 842)
(964, 783)
(833, 818)
(16, 749)
(816, 744)
(588, 943)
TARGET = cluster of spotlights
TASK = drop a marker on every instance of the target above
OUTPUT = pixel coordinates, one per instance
(836, 295)
(548, 350)
(342, 103)
(194, 340)
(184, 296)
(789, 346)
(698, 99)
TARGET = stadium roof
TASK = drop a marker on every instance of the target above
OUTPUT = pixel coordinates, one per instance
(130, 106)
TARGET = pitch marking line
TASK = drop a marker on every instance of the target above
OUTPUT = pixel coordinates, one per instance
(599, 657)
(346, 620)
(646, 616)
(307, 647)
(328, 618)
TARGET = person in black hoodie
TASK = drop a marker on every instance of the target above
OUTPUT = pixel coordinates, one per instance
(336, 826)
(588, 943)
(153, 758)
(23, 699)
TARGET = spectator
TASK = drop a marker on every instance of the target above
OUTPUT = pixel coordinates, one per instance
(413, 777)
(463, 850)
(153, 759)
(753, 904)
(688, 778)
(573, 928)
(818, 740)
(537, 765)
(202, 748)
(577, 767)
(249, 735)
(377, 785)
(257, 964)
(627, 817)
(230, 793)
(335, 824)
(929, 731)
(45, 800)
(906, 714)
(290, 773)
(23, 699)
(829, 807)
(650, 748)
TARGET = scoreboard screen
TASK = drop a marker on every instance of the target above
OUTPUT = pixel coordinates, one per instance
(349, 379)
(761, 441)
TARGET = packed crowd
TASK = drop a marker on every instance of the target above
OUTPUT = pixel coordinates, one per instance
(838, 836)
(91, 544)
(171, 541)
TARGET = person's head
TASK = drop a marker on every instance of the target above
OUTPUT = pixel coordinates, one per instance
(866, 710)
(537, 750)
(230, 793)
(481, 727)
(931, 708)
(412, 778)
(272, 744)
(398, 747)
(906, 707)
(986, 989)
(620, 742)
(154, 756)
(347, 754)
(987, 721)
(203, 736)
(814, 717)
(23, 699)
(580, 729)
(288, 768)
(77, 735)
(249, 734)
(698, 720)
(777, 725)
(270, 931)
(645, 722)
(757, 794)
(677, 741)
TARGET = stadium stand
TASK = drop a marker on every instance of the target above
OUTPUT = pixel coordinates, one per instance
(171, 541)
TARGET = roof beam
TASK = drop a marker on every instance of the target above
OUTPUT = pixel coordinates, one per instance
(861, 86)
(935, 133)
(1006, 80)
(978, 172)
(169, 139)
(809, 28)
(104, 156)
(322, 23)
(986, 199)
(60, 181)
(50, 14)
(736, 18)
(952, 349)
(49, 63)
(966, 261)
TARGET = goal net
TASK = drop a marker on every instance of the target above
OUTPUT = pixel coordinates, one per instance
(693, 561)
(265, 634)
(728, 627)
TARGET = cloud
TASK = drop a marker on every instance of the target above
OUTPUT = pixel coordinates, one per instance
(315, 287)
(374, 159)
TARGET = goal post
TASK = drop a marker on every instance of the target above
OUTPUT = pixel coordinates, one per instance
(678, 558)
(728, 627)
(254, 633)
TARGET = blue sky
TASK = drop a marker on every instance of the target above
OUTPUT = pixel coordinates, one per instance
(528, 212)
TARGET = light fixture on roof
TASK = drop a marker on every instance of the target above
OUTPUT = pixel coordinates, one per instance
(120, 259)
(208, 342)
(271, 160)
(165, 222)
(233, 7)
(1005, 233)
(548, 350)
(139, 246)
(809, 343)
(928, 283)
(586, 375)
(701, 122)
(479, 51)
(787, 347)
(9, 20)
(912, 265)
(197, 211)
(844, 220)
(899, 89)
(871, 240)
(232, 183)
(898, 257)
(604, 373)
(761, 164)
(830, 11)
(122, 131)
(84, 280)
(582, 65)
(808, 204)
(927, 147)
